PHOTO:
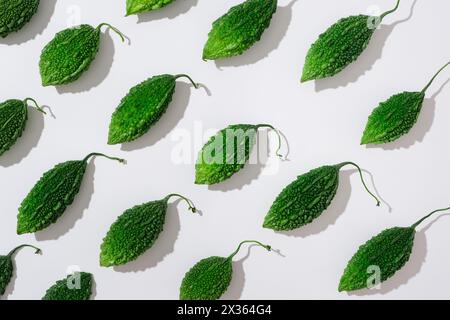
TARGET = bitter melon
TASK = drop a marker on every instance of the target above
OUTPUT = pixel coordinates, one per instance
(15, 14)
(395, 117)
(227, 152)
(210, 278)
(340, 45)
(52, 194)
(135, 231)
(70, 53)
(77, 286)
(307, 198)
(13, 119)
(240, 28)
(380, 258)
(142, 107)
(7, 267)
(139, 6)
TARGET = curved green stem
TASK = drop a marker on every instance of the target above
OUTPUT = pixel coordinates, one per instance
(390, 11)
(121, 35)
(362, 178)
(35, 103)
(435, 76)
(196, 85)
(13, 251)
(427, 216)
(188, 201)
(279, 139)
(95, 154)
(265, 246)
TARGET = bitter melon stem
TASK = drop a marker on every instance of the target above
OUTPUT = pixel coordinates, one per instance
(427, 216)
(362, 178)
(196, 85)
(121, 35)
(435, 76)
(39, 108)
(95, 154)
(279, 139)
(188, 201)
(390, 11)
(265, 246)
(13, 251)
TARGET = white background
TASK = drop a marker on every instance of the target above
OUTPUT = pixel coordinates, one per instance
(323, 122)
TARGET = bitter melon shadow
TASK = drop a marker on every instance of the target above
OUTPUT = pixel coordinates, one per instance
(381, 257)
(70, 53)
(136, 231)
(52, 194)
(7, 267)
(340, 45)
(396, 116)
(209, 278)
(13, 120)
(305, 199)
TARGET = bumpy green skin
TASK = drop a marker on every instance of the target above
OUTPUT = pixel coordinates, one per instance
(215, 164)
(207, 280)
(143, 106)
(50, 197)
(6, 272)
(139, 6)
(13, 118)
(15, 14)
(393, 118)
(303, 200)
(66, 289)
(240, 28)
(339, 46)
(389, 250)
(68, 55)
(133, 233)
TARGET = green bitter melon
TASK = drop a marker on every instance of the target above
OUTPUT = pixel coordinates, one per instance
(210, 278)
(70, 53)
(13, 119)
(135, 231)
(239, 29)
(395, 117)
(340, 45)
(15, 14)
(384, 254)
(7, 267)
(140, 6)
(142, 107)
(77, 286)
(227, 152)
(52, 194)
(307, 198)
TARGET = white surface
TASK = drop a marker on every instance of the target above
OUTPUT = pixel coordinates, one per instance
(323, 123)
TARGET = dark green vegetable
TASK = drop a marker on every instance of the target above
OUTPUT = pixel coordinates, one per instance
(52, 194)
(77, 286)
(7, 267)
(139, 6)
(395, 117)
(13, 119)
(142, 107)
(389, 251)
(15, 14)
(340, 45)
(135, 231)
(227, 152)
(70, 53)
(307, 198)
(239, 29)
(211, 277)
